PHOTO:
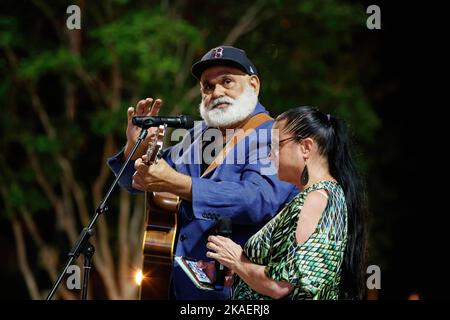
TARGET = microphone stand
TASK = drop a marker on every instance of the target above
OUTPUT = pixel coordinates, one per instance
(82, 245)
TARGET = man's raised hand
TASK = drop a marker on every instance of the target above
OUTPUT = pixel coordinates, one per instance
(145, 107)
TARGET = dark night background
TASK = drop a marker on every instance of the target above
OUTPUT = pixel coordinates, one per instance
(397, 68)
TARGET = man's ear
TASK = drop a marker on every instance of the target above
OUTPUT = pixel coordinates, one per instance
(254, 83)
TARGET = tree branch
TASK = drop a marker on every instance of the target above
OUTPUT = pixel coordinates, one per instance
(69, 215)
(23, 261)
(244, 24)
(40, 111)
(136, 235)
(124, 216)
(64, 219)
(49, 14)
(104, 258)
(116, 81)
(97, 190)
(48, 255)
(137, 228)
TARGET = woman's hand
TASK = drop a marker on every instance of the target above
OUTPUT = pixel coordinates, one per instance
(225, 251)
(232, 256)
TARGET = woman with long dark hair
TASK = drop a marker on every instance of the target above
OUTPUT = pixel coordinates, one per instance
(315, 247)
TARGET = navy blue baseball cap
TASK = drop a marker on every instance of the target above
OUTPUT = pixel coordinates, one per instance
(224, 56)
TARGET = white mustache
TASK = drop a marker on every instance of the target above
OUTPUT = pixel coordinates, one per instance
(218, 101)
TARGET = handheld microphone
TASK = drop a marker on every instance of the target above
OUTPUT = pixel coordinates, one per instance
(185, 122)
(224, 229)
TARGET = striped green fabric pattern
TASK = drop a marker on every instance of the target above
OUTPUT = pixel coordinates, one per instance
(313, 268)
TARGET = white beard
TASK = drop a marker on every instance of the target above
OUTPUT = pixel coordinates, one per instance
(237, 110)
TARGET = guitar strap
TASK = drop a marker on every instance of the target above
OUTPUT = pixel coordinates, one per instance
(240, 133)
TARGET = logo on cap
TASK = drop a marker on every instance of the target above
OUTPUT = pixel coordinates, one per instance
(217, 53)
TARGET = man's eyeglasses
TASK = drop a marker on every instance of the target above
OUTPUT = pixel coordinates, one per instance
(269, 145)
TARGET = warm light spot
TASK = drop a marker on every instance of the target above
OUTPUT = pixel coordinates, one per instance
(414, 296)
(138, 277)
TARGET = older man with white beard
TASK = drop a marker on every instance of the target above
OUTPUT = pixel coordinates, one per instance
(239, 190)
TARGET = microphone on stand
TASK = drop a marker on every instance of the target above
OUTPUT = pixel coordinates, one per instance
(224, 229)
(185, 122)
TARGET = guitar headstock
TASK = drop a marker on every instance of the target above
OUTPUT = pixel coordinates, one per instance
(155, 146)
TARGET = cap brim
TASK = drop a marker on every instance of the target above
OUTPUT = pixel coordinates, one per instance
(199, 67)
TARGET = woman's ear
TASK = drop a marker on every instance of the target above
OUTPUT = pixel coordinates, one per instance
(254, 83)
(306, 146)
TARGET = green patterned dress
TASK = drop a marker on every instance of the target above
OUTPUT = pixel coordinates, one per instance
(313, 268)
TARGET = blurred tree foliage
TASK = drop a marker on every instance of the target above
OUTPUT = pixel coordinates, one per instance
(64, 95)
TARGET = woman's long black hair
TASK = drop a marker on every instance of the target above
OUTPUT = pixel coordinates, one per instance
(333, 142)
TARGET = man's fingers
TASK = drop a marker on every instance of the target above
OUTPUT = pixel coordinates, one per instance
(137, 162)
(130, 113)
(148, 106)
(143, 106)
(140, 107)
(137, 186)
(151, 135)
(136, 183)
(138, 180)
(140, 166)
(156, 107)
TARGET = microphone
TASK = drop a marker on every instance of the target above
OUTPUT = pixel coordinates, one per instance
(185, 122)
(224, 229)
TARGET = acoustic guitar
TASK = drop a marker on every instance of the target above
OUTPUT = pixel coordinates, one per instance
(161, 218)
(160, 225)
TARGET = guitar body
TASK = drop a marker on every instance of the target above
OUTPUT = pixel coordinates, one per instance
(158, 244)
(160, 231)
